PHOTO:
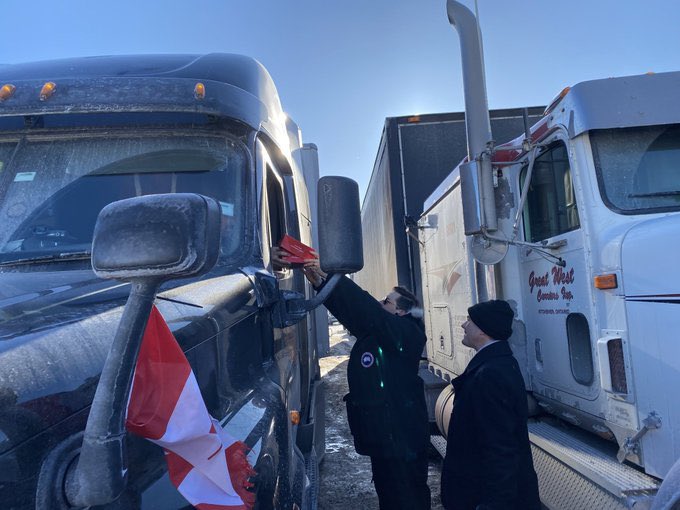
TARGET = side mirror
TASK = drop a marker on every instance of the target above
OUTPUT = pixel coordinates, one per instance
(340, 246)
(145, 240)
(470, 193)
(165, 236)
(339, 220)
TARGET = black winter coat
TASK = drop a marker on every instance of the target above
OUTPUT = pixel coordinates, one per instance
(386, 406)
(488, 458)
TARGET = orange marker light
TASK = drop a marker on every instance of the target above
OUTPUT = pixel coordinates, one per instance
(557, 100)
(6, 91)
(414, 118)
(295, 417)
(47, 90)
(199, 91)
(605, 281)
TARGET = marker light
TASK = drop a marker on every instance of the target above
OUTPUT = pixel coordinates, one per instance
(605, 281)
(295, 417)
(47, 90)
(199, 91)
(6, 91)
(557, 100)
(414, 118)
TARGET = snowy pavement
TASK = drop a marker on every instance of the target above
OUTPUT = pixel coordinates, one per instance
(346, 476)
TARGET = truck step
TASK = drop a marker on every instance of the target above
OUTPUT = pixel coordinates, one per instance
(439, 444)
(568, 466)
(576, 475)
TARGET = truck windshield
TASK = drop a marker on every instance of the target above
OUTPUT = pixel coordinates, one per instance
(638, 169)
(52, 188)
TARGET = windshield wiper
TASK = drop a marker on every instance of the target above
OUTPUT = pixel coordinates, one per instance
(655, 194)
(54, 257)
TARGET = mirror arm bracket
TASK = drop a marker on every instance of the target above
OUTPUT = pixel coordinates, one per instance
(292, 307)
(541, 248)
(100, 474)
(264, 285)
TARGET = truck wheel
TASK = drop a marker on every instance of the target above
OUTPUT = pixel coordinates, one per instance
(50, 493)
(668, 497)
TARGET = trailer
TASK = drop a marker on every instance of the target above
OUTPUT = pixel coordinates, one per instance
(575, 223)
(415, 155)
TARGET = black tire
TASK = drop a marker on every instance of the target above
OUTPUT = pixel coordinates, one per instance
(50, 493)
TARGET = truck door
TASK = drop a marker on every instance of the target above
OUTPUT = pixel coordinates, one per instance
(278, 220)
(306, 342)
(556, 295)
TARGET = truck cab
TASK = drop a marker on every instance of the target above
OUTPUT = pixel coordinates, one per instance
(78, 134)
(598, 309)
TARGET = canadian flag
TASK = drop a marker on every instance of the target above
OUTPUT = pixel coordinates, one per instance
(206, 465)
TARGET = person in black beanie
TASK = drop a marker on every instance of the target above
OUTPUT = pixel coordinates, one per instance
(488, 463)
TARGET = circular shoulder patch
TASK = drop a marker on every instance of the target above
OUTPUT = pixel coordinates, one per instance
(367, 359)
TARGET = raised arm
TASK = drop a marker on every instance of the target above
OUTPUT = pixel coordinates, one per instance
(352, 306)
(355, 308)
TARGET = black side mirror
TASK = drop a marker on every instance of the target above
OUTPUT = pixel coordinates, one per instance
(145, 240)
(157, 236)
(340, 240)
(340, 246)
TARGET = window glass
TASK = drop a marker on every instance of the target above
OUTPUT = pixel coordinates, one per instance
(52, 189)
(6, 151)
(580, 351)
(291, 206)
(550, 208)
(277, 215)
(638, 169)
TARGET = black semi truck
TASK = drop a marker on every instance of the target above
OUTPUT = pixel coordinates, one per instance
(79, 134)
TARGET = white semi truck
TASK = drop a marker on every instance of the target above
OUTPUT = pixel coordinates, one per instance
(576, 223)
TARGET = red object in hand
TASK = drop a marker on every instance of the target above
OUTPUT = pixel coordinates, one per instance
(299, 252)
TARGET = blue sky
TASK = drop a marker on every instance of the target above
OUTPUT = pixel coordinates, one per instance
(343, 66)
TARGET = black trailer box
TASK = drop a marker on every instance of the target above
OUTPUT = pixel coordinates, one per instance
(415, 155)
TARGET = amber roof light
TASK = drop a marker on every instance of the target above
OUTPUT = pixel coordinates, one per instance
(199, 91)
(6, 91)
(557, 100)
(47, 90)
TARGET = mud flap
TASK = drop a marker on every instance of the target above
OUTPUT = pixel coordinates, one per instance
(313, 433)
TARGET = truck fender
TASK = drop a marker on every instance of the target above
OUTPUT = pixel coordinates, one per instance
(50, 491)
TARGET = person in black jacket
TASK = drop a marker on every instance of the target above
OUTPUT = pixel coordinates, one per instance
(386, 406)
(488, 463)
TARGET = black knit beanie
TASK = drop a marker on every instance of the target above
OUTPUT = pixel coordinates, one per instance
(493, 317)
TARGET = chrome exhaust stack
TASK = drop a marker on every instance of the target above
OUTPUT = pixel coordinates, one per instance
(476, 175)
